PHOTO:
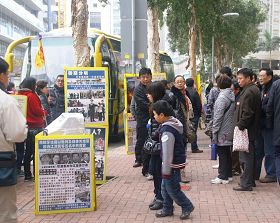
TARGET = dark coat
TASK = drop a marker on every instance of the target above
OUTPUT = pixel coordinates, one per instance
(196, 102)
(248, 111)
(57, 101)
(46, 106)
(265, 97)
(273, 111)
(178, 102)
(142, 105)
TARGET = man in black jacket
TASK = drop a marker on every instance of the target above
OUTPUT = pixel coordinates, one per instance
(247, 116)
(273, 116)
(142, 118)
(197, 107)
(56, 97)
(264, 142)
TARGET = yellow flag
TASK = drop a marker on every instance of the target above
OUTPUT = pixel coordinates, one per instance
(39, 58)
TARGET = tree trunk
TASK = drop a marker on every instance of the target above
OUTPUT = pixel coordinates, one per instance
(218, 56)
(153, 40)
(192, 43)
(201, 52)
(79, 32)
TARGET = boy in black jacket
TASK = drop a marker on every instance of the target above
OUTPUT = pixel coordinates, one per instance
(173, 159)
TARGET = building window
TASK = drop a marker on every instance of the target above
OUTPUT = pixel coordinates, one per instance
(95, 20)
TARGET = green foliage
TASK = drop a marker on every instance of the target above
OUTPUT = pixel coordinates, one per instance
(269, 43)
(233, 36)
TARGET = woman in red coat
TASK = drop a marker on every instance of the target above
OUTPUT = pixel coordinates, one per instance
(35, 121)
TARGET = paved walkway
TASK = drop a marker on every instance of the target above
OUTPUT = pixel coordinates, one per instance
(126, 198)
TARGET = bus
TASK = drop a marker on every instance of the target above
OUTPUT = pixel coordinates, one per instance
(105, 51)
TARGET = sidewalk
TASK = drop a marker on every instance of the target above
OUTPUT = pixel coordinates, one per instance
(126, 198)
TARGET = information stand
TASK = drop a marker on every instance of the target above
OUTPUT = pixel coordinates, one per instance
(86, 92)
(64, 174)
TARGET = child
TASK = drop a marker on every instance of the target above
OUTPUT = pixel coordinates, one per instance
(173, 159)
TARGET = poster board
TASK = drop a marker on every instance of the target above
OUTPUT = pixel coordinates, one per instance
(100, 148)
(22, 101)
(64, 174)
(86, 90)
(130, 82)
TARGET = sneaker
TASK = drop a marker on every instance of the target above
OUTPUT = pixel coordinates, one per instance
(157, 205)
(230, 179)
(162, 214)
(215, 166)
(186, 214)
(149, 176)
(152, 203)
(217, 180)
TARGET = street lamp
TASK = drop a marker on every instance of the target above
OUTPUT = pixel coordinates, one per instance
(230, 14)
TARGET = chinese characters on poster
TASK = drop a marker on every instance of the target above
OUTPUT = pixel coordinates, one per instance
(64, 174)
(100, 151)
(86, 94)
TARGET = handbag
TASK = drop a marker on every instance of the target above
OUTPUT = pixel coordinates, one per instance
(191, 135)
(151, 146)
(240, 140)
(8, 169)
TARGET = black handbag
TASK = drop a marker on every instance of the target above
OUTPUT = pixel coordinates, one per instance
(152, 147)
(8, 169)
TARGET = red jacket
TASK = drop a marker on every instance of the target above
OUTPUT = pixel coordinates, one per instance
(35, 112)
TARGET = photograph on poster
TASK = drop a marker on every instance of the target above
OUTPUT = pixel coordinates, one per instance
(99, 151)
(64, 169)
(131, 82)
(86, 94)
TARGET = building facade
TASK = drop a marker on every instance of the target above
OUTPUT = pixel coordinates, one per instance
(272, 22)
(19, 18)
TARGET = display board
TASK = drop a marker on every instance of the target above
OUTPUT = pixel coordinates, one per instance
(64, 174)
(86, 93)
(22, 101)
(159, 76)
(130, 82)
(100, 151)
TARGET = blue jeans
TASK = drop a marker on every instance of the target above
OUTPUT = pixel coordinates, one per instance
(265, 149)
(277, 162)
(171, 191)
(195, 122)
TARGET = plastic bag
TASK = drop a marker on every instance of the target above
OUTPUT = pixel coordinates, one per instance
(67, 124)
(240, 140)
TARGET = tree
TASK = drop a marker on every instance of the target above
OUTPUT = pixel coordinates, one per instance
(269, 44)
(79, 32)
(153, 39)
(234, 37)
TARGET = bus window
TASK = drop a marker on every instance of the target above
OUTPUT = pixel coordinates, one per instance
(58, 53)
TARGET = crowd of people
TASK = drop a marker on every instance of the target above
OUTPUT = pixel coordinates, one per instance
(167, 116)
(242, 101)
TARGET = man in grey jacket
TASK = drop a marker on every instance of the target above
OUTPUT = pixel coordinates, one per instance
(223, 129)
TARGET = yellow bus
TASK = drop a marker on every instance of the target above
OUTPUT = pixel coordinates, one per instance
(105, 51)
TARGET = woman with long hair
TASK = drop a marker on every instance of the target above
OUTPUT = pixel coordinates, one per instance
(43, 91)
(156, 91)
(35, 122)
